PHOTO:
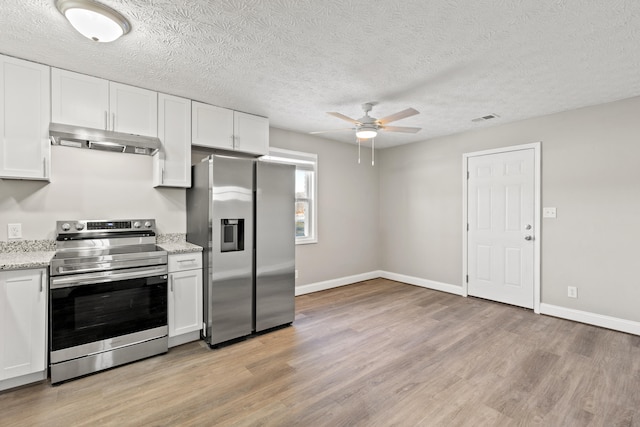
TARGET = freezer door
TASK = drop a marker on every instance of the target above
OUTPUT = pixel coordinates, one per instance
(275, 245)
(229, 305)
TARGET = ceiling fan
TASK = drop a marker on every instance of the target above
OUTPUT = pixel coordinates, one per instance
(367, 127)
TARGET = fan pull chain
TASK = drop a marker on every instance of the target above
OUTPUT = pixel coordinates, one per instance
(373, 151)
(358, 149)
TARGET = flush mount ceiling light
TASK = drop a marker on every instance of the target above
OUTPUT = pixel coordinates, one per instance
(94, 20)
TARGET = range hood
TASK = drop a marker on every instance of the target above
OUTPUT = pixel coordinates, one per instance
(106, 140)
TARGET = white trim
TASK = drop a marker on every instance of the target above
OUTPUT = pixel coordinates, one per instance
(335, 283)
(615, 323)
(348, 280)
(302, 161)
(424, 283)
(23, 380)
(537, 154)
(184, 338)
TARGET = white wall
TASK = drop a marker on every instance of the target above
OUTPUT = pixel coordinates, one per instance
(87, 184)
(347, 210)
(590, 172)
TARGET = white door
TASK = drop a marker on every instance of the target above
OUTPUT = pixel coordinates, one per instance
(501, 214)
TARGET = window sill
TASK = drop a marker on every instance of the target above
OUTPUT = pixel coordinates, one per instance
(306, 241)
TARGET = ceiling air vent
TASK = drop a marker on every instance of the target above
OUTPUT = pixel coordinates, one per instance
(484, 118)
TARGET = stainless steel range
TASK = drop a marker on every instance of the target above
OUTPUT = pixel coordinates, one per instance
(108, 296)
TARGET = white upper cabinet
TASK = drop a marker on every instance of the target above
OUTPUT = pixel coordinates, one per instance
(77, 99)
(133, 110)
(212, 126)
(87, 101)
(23, 325)
(25, 151)
(172, 164)
(251, 133)
(216, 127)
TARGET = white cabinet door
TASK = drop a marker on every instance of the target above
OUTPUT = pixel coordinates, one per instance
(212, 126)
(172, 164)
(77, 99)
(251, 133)
(185, 302)
(25, 151)
(23, 304)
(133, 110)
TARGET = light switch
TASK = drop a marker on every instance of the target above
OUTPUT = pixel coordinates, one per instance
(548, 212)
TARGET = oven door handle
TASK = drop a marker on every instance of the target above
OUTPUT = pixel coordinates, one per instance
(106, 276)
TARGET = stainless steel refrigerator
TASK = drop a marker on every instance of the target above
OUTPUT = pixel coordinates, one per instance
(241, 211)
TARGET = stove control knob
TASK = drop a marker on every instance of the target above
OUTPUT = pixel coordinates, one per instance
(147, 224)
(66, 226)
(79, 226)
(136, 224)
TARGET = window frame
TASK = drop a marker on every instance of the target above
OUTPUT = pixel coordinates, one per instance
(307, 162)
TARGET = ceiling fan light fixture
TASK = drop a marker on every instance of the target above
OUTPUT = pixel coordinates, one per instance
(366, 132)
(94, 20)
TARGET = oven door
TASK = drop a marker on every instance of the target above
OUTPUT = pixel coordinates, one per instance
(95, 312)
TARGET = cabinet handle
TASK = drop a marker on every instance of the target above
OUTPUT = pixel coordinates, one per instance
(113, 122)
(44, 167)
(28, 279)
(162, 177)
(41, 281)
(106, 120)
(187, 260)
(171, 283)
(236, 141)
(233, 141)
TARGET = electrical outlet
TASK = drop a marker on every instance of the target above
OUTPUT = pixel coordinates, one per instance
(548, 212)
(296, 274)
(572, 292)
(14, 231)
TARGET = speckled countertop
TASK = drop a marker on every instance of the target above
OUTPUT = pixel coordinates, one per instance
(180, 247)
(25, 254)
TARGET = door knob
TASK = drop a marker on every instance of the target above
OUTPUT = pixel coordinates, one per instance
(528, 227)
(528, 237)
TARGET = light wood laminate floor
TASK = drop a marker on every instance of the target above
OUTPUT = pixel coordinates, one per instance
(376, 353)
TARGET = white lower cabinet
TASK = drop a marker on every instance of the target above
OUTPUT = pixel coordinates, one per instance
(185, 297)
(23, 326)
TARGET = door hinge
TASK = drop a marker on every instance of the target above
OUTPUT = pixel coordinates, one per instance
(467, 278)
(467, 174)
(467, 226)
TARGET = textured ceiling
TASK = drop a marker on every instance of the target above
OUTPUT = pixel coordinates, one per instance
(294, 60)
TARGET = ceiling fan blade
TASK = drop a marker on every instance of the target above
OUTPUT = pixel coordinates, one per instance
(404, 129)
(332, 130)
(399, 115)
(343, 117)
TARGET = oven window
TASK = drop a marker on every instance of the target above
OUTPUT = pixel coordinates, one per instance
(96, 312)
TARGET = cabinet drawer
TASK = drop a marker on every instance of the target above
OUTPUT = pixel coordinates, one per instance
(181, 262)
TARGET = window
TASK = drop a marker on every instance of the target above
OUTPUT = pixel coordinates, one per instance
(306, 191)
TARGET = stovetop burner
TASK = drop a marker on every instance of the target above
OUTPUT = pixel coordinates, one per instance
(90, 245)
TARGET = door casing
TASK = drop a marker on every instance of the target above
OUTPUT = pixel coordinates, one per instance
(537, 149)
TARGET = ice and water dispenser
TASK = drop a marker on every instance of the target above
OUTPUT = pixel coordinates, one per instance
(232, 235)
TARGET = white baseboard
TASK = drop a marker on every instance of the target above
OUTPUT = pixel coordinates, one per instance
(615, 323)
(23, 380)
(184, 338)
(425, 283)
(335, 283)
(342, 281)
